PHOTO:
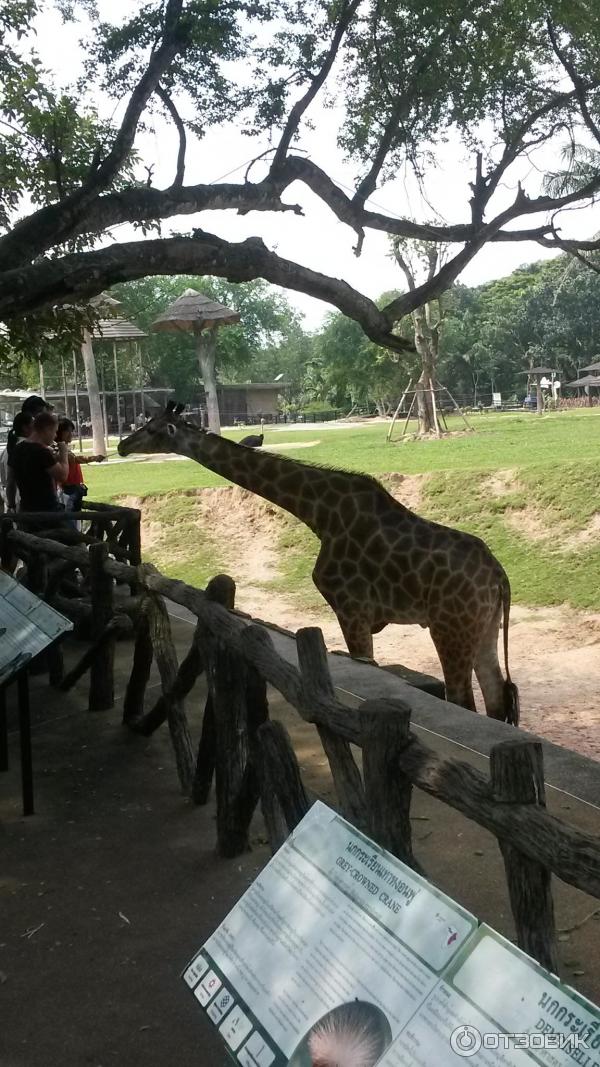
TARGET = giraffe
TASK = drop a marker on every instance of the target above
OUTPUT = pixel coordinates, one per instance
(378, 562)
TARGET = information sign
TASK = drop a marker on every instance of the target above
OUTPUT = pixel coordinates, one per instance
(340, 954)
(27, 626)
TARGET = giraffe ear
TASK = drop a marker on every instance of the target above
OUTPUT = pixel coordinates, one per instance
(178, 409)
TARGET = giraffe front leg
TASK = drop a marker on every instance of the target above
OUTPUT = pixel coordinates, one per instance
(357, 636)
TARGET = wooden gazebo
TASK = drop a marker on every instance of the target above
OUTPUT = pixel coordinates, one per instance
(117, 330)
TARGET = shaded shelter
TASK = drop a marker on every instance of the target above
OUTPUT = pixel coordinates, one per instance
(537, 373)
(116, 330)
(589, 382)
(195, 313)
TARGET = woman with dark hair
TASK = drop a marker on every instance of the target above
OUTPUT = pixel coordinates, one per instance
(38, 468)
(21, 429)
(30, 407)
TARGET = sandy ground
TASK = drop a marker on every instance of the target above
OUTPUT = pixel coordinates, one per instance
(553, 658)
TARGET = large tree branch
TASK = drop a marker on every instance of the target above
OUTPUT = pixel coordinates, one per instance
(76, 278)
(161, 59)
(349, 8)
(449, 272)
(55, 223)
(179, 126)
(578, 82)
(141, 205)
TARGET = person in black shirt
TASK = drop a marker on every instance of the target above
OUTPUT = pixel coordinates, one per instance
(37, 468)
(22, 427)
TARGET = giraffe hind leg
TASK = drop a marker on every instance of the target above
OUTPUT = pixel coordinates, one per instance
(489, 674)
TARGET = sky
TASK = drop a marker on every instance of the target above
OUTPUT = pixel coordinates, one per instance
(317, 240)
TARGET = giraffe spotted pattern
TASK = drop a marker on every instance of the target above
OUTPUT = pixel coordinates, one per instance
(379, 562)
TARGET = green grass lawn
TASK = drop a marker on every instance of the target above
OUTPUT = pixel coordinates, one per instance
(554, 484)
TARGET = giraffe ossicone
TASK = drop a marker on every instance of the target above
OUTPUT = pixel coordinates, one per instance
(379, 562)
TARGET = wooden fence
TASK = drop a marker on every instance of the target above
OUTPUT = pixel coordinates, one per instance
(251, 757)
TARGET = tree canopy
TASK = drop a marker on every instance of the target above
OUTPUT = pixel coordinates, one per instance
(515, 84)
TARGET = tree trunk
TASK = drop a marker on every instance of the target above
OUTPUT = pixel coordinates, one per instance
(91, 381)
(426, 415)
(206, 344)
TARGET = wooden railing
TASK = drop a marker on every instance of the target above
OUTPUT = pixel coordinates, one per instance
(252, 759)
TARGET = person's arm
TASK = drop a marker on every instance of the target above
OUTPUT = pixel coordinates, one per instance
(11, 489)
(86, 459)
(60, 470)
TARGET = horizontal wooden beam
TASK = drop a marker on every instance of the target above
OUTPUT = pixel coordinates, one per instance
(75, 554)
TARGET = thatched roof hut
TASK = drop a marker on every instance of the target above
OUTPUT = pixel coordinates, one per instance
(198, 314)
(592, 380)
(195, 312)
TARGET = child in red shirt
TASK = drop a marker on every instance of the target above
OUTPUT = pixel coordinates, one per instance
(74, 489)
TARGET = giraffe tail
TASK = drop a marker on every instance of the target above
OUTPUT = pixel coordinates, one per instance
(512, 705)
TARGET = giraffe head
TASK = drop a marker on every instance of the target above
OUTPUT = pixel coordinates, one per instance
(158, 435)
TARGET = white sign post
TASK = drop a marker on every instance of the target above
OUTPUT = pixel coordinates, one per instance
(338, 953)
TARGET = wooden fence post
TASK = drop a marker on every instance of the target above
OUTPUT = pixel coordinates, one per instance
(517, 773)
(102, 683)
(166, 661)
(191, 666)
(207, 754)
(257, 709)
(283, 796)
(134, 545)
(227, 680)
(318, 687)
(385, 726)
(143, 656)
(135, 539)
(220, 590)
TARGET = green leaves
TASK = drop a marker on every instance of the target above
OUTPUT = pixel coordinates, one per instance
(267, 322)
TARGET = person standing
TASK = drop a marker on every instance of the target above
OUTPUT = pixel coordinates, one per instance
(37, 469)
(73, 488)
(22, 428)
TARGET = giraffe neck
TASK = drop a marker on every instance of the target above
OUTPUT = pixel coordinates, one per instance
(299, 488)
